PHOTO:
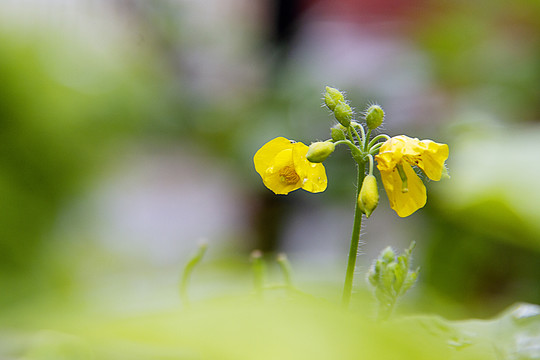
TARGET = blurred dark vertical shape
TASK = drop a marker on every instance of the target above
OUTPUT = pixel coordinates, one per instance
(269, 219)
(269, 215)
(285, 17)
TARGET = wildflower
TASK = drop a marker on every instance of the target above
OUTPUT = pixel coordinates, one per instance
(396, 157)
(283, 167)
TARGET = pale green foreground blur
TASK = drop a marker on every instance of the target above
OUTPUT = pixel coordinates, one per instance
(238, 328)
(127, 131)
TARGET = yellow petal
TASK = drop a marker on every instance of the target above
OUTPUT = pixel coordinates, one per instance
(312, 175)
(404, 204)
(385, 161)
(264, 157)
(389, 155)
(279, 187)
(394, 150)
(432, 159)
(281, 176)
(426, 154)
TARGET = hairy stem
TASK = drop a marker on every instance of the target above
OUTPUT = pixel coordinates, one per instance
(355, 240)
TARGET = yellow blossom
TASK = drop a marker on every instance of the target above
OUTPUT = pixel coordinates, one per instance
(397, 155)
(283, 167)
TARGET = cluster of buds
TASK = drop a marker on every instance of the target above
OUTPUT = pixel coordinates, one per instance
(391, 278)
(368, 196)
(335, 101)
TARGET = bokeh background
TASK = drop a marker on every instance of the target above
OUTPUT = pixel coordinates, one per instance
(127, 131)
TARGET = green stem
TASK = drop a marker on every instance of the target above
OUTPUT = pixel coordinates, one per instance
(357, 154)
(361, 140)
(362, 131)
(193, 261)
(258, 273)
(355, 240)
(350, 135)
(366, 143)
(385, 310)
(377, 138)
(285, 266)
(375, 148)
(370, 157)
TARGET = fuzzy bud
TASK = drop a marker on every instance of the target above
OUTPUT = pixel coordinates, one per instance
(332, 97)
(343, 113)
(338, 132)
(388, 255)
(319, 151)
(374, 116)
(368, 199)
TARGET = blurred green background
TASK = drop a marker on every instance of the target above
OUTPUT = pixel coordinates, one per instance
(127, 130)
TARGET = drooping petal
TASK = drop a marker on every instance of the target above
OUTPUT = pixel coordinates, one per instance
(386, 161)
(404, 203)
(390, 154)
(312, 175)
(397, 149)
(432, 159)
(411, 146)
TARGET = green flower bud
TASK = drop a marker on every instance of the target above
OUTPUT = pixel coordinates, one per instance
(374, 116)
(410, 280)
(319, 151)
(373, 277)
(343, 113)
(391, 278)
(378, 266)
(388, 277)
(387, 255)
(332, 96)
(368, 199)
(401, 273)
(338, 132)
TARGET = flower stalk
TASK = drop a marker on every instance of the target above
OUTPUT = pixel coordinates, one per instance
(188, 270)
(355, 241)
(258, 273)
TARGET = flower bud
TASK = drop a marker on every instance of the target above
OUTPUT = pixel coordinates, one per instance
(410, 280)
(332, 96)
(368, 199)
(337, 133)
(373, 276)
(343, 113)
(388, 276)
(374, 116)
(319, 151)
(387, 255)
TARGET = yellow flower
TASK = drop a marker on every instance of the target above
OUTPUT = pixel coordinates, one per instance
(405, 190)
(283, 167)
